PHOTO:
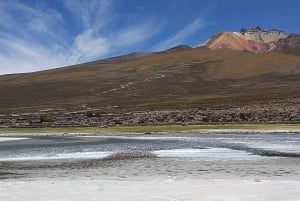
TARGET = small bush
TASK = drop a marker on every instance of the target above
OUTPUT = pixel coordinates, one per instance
(47, 117)
(98, 114)
(89, 114)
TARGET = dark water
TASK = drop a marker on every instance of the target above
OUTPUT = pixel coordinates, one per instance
(257, 155)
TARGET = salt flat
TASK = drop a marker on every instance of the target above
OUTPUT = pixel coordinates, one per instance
(150, 190)
(11, 138)
(178, 167)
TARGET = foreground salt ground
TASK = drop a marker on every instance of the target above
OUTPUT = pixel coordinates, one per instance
(213, 167)
(150, 190)
(2, 139)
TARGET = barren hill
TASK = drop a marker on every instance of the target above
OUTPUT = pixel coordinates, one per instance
(177, 78)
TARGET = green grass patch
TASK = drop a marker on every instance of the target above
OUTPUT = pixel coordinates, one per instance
(151, 129)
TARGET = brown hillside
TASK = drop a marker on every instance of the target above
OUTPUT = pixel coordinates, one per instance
(185, 78)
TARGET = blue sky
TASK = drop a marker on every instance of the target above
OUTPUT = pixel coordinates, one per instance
(42, 34)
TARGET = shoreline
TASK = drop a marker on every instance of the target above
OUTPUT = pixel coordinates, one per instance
(126, 130)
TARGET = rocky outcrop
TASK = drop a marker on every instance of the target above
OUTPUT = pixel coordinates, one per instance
(256, 41)
(290, 44)
(280, 112)
(258, 35)
(291, 41)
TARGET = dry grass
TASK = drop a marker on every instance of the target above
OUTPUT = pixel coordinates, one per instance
(192, 78)
(155, 129)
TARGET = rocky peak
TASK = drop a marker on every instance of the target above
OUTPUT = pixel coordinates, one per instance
(260, 35)
(256, 41)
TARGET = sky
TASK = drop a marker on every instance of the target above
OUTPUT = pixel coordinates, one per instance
(42, 34)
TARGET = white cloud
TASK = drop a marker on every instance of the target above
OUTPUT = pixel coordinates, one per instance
(95, 16)
(180, 36)
(29, 40)
(22, 56)
(38, 37)
(37, 19)
(38, 25)
(88, 46)
(136, 34)
(91, 14)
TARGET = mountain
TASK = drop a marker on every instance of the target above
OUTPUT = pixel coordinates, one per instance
(182, 77)
(290, 44)
(256, 41)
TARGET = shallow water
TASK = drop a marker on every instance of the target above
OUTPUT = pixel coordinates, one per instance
(136, 157)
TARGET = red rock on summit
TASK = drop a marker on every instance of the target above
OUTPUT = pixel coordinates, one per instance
(256, 41)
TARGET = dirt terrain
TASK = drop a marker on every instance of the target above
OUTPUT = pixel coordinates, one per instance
(179, 78)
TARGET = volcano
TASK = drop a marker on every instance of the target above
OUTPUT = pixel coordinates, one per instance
(256, 41)
(231, 68)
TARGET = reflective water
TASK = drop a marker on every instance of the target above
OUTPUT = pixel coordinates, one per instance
(134, 157)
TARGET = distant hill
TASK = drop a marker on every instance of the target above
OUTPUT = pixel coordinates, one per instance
(181, 77)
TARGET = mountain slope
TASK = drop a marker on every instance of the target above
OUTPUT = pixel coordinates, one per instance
(290, 44)
(184, 78)
(255, 41)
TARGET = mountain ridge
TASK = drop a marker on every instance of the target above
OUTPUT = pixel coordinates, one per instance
(180, 77)
(256, 41)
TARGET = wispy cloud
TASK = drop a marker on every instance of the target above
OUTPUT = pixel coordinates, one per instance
(37, 37)
(135, 34)
(22, 18)
(29, 41)
(91, 14)
(87, 46)
(23, 56)
(180, 37)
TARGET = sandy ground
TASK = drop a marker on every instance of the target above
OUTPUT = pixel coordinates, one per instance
(153, 190)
